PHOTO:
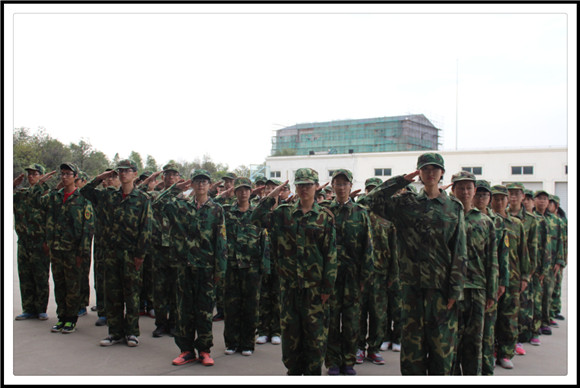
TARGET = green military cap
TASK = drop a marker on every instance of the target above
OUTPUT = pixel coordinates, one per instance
(411, 187)
(126, 164)
(242, 182)
(274, 181)
(463, 176)
(83, 175)
(555, 199)
(36, 167)
(483, 184)
(69, 166)
(145, 175)
(170, 167)
(430, 158)
(305, 175)
(373, 182)
(515, 186)
(260, 178)
(529, 193)
(229, 175)
(342, 171)
(540, 192)
(200, 172)
(499, 189)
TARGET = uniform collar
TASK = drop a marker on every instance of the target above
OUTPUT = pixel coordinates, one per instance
(422, 196)
(315, 208)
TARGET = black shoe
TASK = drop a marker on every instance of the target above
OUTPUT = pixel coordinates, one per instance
(158, 332)
(559, 317)
(58, 327)
(218, 317)
(172, 332)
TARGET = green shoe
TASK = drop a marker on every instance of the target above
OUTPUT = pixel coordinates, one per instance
(69, 327)
(58, 327)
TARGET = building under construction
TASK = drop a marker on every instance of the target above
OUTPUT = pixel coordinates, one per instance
(382, 134)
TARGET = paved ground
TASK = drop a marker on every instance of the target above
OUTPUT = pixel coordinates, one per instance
(32, 354)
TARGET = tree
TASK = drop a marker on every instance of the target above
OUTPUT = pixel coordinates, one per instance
(80, 153)
(116, 160)
(242, 171)
(151, 164)
(134, 156)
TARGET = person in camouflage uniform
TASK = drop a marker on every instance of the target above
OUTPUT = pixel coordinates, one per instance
(69, 228)
(519, 277)
(481, 279)
(381, 296)
(355, 266)
(526, 315)
(81, 180)
(555, 310)
(128, 216)
(33, 261)
(258, 190)
(303, 239)
(431, 229)
(247, 261)
(199, 236)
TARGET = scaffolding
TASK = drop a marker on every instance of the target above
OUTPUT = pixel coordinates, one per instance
(384, 134)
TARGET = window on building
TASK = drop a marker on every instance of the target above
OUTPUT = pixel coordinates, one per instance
(274, 174)
(383, 172)
(525, 170)
(473, 170)
(528, 170)
(566, 169)
(330, 172)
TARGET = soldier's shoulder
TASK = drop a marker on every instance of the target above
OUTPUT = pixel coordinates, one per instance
(328, 212)
(455, 202)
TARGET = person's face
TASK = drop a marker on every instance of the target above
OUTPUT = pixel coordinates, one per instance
(528, 203)
(285, 193)
(499, 203)
(228, 183)
(200, 186)
(430, 175)
(170, 177)
(112, 180)
(67, 177)
(320, 197)
(33, 176)
(552, 208)
(541, 202)
(243, 194)
(127, 175)
(368, 189)
(269, 188)
(481, 199)
(306, 191)
(341, 187)
(80, 183)
(464, 191)
(515, 197)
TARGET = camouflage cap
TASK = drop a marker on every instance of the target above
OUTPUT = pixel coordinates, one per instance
(200, 172)
(554, 198)
(540, 192)
(499, 189)
(69, 166)
(430, 158)
(145, 175)
(242, 182)
(529, 193)
(83, 175)
(125, 164)
(260, 179)
(229, 175)
(170, 167)
(463, 176)
(342, 171)
(411, 187)
(328, 189)
(274, 181)
(305, 175)
(36, 167)
(515, 186)
(483, 185)
(373, 182)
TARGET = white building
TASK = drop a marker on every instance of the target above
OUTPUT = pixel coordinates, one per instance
(536, 168)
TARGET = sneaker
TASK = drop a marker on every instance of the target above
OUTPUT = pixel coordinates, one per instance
(559, 317)
(206, 359)
(172, 332)
(506, 363)
(333, 371)
(247, 352)
(520, 351)
(276, 340)
(535, 341)
(360, 356)
(132, 341)
(82, 312)
(102, 321)
(553, 323)
(545, 331)
(58, 327)
(262, 339)
(385, 345)
(230, 351)
(94, 308)
(348, 370)
(396, 347)
(376, 358)
(184, 358)
(218, 317)
(43, 316)
(159, 331)
(24, 316)
(151, 313)
(110, 341)
(69, 327)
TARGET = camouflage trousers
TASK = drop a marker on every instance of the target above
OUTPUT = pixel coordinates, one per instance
(429, 332)
(269, 322)
(548, 289)
(241, 299)
(122, 284)
(195, 303)
(345, 311)
(538, 291)
(85, 286)
(99, 276)
(526, 314)
(147, 284)
(506, 327)
(393, 321)
(67, 284)
(219, 297)
(556, 307)
(304, 322)
(33, 273)
(373, 313)
(488, 348)
(470, 333)
(164, 287)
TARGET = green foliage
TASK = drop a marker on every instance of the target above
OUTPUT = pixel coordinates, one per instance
(151, 164)
(285, 152)
(136, 157)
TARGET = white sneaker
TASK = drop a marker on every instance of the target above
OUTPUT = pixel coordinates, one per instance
(396, 347)
(385, 345)
(276, 340)
(247, 353)
(262, 339)
(230, 351)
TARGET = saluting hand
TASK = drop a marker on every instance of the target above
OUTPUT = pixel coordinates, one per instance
(274, 193)
(46, 177)
(18, 181)
(354, 194)
(411, 177)
(183, 185)
(104, 175)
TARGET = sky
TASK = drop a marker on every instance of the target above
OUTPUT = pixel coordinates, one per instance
(179, 82)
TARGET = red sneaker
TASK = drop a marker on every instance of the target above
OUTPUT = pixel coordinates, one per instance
(206, 359)
(184, 358)
(520, 351)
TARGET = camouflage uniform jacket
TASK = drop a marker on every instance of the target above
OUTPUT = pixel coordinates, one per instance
(385, 250)
(247, 243)
(199, 235)
(101, 226)
(69, 225)
(544, 255)
(128, 220)
(304, 244)
(160, 225)
(530, 222)
(556, 245)
(432, 232)
(482, 266)
(503, 252)
(224, 201)
(519, 267)
(29, 214)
